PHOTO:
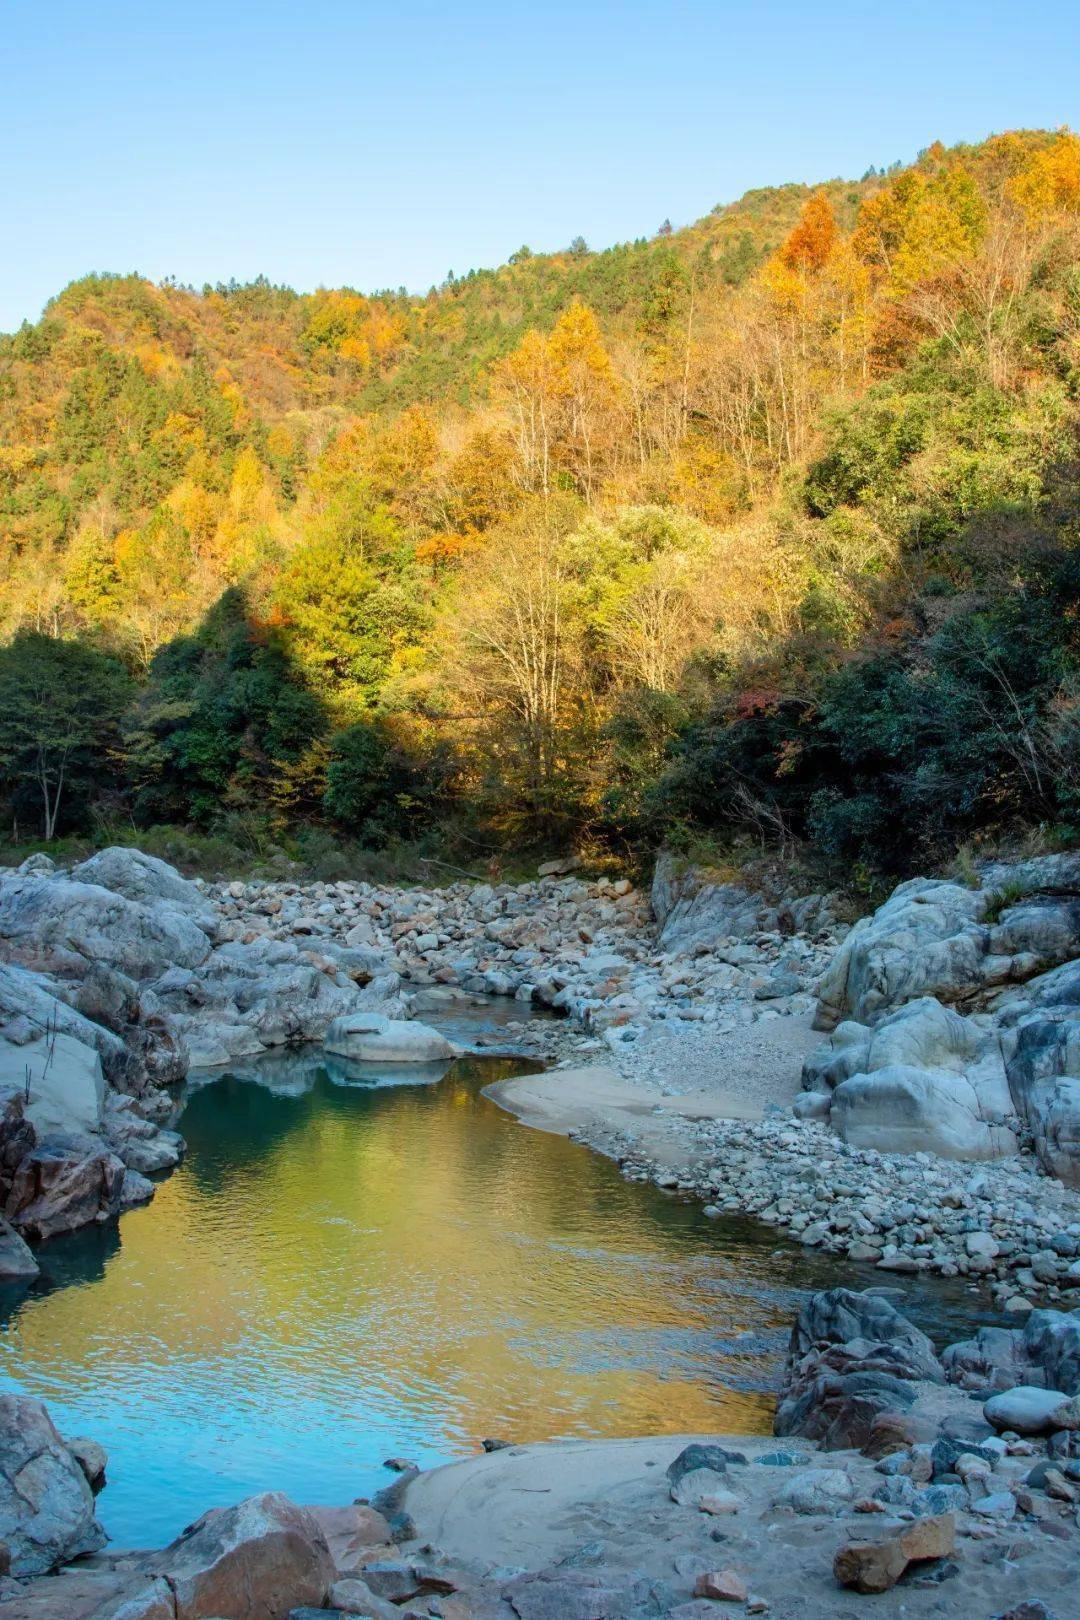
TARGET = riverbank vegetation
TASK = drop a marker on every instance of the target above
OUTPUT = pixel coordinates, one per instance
(760, 530)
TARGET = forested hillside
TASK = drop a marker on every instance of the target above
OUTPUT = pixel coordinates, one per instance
(766, 526)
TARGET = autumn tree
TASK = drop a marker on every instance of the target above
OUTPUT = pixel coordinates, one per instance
(814, 239)
(1049, 185)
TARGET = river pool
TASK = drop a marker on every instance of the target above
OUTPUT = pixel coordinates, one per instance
(346, 1269)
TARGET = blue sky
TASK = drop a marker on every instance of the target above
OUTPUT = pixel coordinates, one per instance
(382, 145)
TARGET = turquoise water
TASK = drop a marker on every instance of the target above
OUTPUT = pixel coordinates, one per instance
(345, 1270)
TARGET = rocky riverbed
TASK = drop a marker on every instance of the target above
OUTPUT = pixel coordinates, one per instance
(894, 1485)
(905, 1091)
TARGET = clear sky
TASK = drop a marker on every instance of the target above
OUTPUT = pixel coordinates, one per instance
(337, 141)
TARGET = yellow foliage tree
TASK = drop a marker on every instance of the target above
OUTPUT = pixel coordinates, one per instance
(1050, 183)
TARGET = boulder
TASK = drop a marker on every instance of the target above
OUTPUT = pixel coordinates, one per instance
(60, 1186)
(146, 879)
(255, 1561)
(92, 1458)
(61, 1080)
(906, 1110)
(843, 1315)
(936, 938)
(54, 925)
(106, 997)
(1027, 1409)
(1045, 1353)
(143, 1146)
(370, 1036)
(46, 1504)
(351, 1532)
(246, 997)
(37, 1001)
(923, 1078)
(852, 1361)
(693, 911)
(1041, 1044)
(93, 1594)
(17, 1264)
(816, 1490)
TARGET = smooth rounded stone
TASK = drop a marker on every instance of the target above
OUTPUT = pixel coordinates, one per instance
(370, 1037)
(812, 1105)
(46, 1504)
(946, 1455)
(816, 1490)
(783, 1459)
(1026, 1409)
(718, 1503)
(692, 1489)
(902, 1109)
(981, 1246)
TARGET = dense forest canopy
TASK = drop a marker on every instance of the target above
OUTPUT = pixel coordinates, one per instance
(765, 525)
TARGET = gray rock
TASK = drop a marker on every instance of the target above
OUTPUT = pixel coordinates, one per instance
(1026, 1409)
(46, 1505)
(146, 879)
(931, 938)
(816, 1490)
(841, 1315)
(369, 1037)
(1044, 1352)
(922, 1079)
(53, 925)
(17, 1264)
(92, 1458)
(697, 1456)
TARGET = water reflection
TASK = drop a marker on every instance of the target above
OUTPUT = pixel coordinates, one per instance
(344, 1270)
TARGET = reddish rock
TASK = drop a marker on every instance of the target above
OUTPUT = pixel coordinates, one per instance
(875, 1566)
(57, 1189)
(255, 1561)
(100, 1594)
(723, 1586)
(351, 1532)
(889, 1432)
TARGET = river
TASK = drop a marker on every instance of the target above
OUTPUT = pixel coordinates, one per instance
(346, 1269)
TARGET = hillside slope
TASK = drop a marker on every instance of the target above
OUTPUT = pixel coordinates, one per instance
(592, 542)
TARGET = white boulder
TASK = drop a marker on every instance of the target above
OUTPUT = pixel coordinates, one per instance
(61, 1080)
(371, 1036)
(1027, 1409)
